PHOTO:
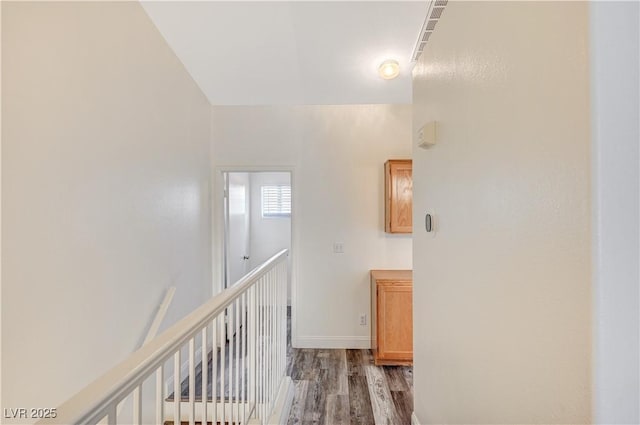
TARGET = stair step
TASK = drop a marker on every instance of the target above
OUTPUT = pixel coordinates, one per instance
(224, 412)
(198, 399)
(220, 369)
(200, 423)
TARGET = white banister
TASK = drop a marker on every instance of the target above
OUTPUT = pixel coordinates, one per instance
(160, 395)
(177, 387)
(205, 374)
(151, 333)
(246, 375)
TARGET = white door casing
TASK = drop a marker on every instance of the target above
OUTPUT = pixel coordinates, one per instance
(239, 226)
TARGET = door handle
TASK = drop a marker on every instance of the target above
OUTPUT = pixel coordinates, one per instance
(245, 257)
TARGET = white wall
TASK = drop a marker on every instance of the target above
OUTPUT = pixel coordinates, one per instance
(502, 292)
(105, 192)
(615, 113)
(268, 234)
(338, 154)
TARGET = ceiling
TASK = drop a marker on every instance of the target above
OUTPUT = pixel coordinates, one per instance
(274, 53)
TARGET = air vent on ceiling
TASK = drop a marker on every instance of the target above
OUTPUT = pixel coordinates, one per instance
(434, 12)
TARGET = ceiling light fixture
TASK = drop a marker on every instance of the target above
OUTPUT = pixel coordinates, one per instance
(389, 69)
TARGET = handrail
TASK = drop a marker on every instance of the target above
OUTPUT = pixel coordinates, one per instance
(95, 400)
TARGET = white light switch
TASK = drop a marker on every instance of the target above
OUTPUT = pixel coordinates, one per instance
(338, 248)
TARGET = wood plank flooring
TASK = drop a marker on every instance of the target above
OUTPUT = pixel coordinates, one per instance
(334, 387)
(339, 387)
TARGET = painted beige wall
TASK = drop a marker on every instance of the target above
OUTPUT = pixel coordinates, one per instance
(105, 192)
(268, 234)
(502, 291)
(337, 155)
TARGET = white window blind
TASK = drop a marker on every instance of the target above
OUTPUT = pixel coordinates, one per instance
(276, 201)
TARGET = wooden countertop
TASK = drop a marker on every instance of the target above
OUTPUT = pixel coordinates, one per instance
(392, 274)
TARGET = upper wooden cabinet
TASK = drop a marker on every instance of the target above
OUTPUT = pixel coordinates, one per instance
(398, 196)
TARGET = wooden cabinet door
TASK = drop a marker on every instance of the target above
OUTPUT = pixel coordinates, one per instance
(399, 196)
(395, 321)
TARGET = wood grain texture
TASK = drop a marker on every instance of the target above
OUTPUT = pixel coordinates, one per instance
(384, 411)
(395, 321)
(337, 411)
(392, 275)
(335, 387)
(360, 410)
(316, 399)
(296, 414)
(396, 379)
(392, 317)
(398, 196)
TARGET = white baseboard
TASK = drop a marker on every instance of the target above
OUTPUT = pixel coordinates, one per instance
(284, 400)
(332, 342)
(414, 419)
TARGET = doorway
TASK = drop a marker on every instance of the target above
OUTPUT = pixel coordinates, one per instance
(257, 220)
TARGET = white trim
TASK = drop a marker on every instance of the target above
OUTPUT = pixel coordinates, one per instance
(185, 415)
(333, 342)
(153, 331)
(101, 397)
(162, 311)
(217, 233)
(282, 405)
(414, 419)
(184, 367)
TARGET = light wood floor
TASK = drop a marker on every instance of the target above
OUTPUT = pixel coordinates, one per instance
(336, 387)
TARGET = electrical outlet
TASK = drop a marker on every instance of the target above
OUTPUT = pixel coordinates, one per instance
(363, 320)
(338, 247)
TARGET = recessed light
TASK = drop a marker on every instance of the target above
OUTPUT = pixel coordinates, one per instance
(389, 69)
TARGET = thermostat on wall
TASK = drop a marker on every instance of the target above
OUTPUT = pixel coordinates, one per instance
(427, 135)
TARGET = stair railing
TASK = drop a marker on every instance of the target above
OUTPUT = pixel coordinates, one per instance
(239, 338)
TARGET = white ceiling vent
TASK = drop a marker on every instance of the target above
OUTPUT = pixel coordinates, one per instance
(434, 12)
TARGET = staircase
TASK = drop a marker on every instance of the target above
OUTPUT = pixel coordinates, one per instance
(247, 385)
(231, 401)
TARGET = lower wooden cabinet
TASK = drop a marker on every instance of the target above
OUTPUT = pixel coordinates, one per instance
(392, 317)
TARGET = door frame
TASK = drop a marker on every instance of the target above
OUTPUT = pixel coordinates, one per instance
(218, 230)
(226, 264)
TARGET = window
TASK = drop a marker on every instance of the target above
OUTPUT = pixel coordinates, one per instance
(276, 201)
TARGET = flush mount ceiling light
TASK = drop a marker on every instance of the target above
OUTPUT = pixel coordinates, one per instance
(389, 69)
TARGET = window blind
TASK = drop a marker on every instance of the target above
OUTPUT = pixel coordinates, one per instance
(276, 201)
